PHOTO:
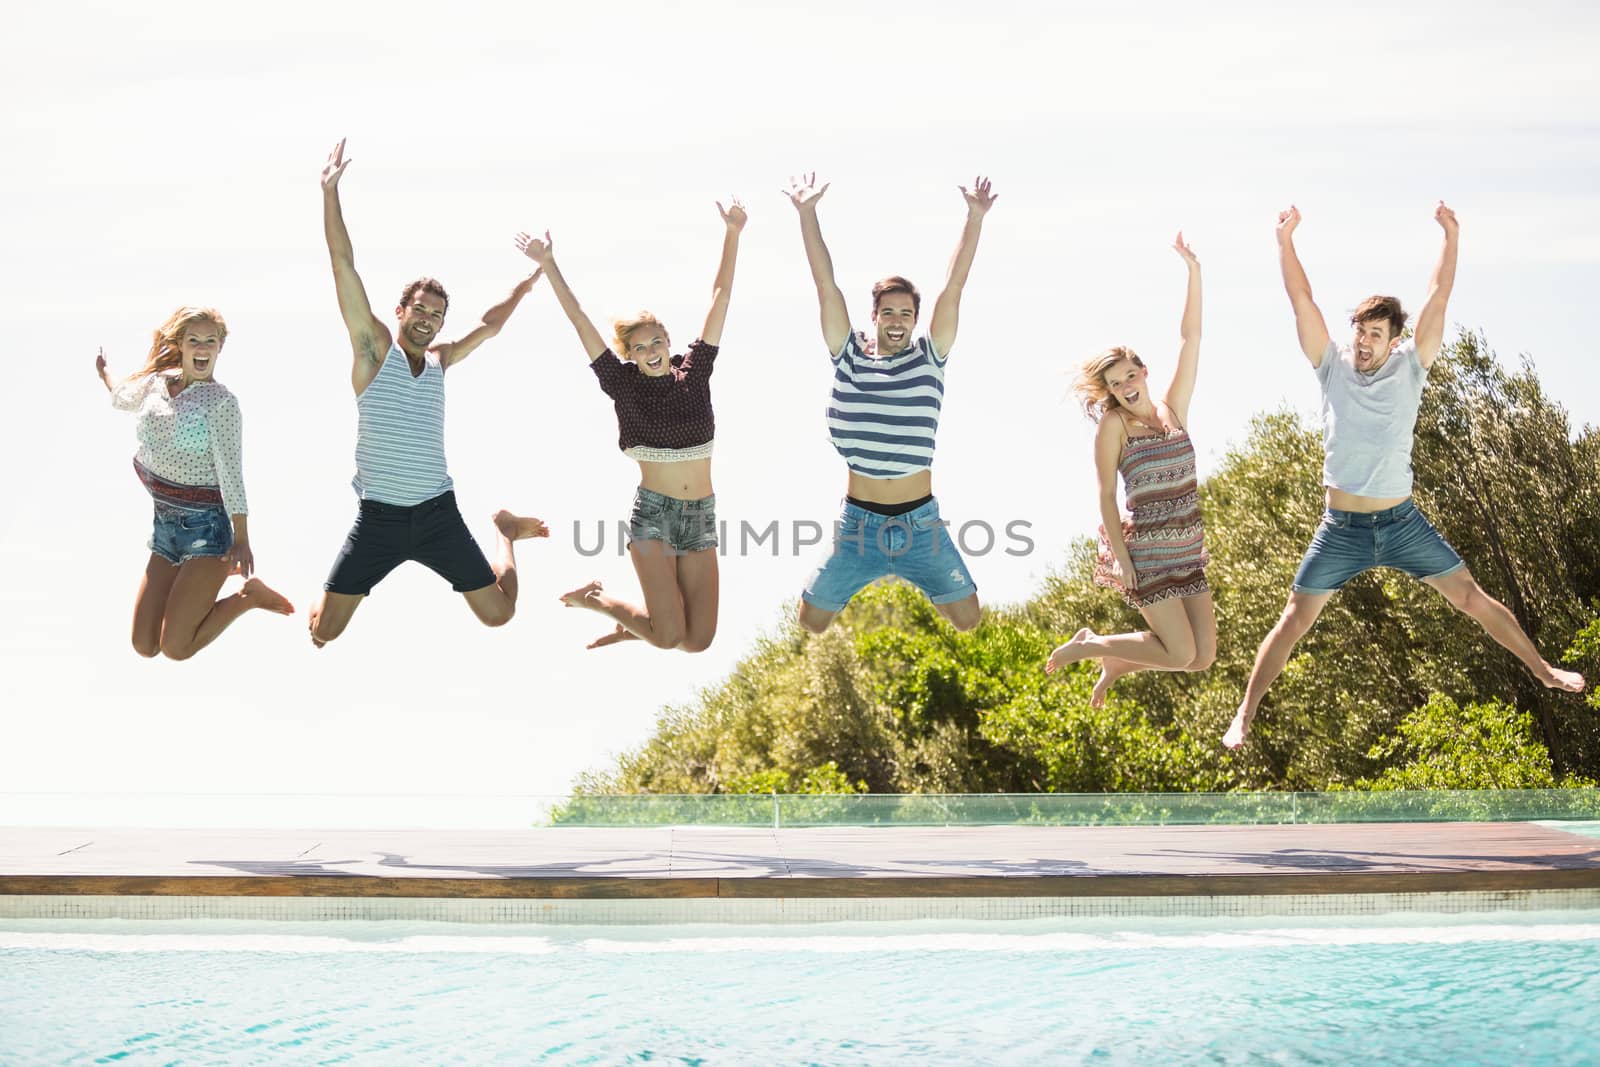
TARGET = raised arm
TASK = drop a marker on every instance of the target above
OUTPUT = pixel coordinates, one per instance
(1182, 387)
(1308, 319)
(1430, 320)
(543, 253)
(1108, 442)
(804, 194)
(734, 219)
(453, 352)
(947, 309)
(369, 338)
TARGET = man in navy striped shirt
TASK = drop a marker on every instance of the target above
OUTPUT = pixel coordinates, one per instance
(883, 415)
(407, 500)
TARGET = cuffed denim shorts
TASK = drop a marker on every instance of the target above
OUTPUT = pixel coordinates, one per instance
(182, 534)
(1349, 542)
(867, 546)
(683, 525)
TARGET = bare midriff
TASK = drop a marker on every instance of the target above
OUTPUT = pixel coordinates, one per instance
(891, 490)
(1339, 500)
(688, 479)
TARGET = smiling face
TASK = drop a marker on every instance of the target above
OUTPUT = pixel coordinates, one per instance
(1128, 383)
(198, 346)
(649, 348)
(895, 317)
(1372, 344)
(420, 319)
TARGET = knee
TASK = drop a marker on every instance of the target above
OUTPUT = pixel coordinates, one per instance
(498, 615)
(1294, 622)
(148, 647)
(324, 629)
(695, 643)
(814, 620)
(174, 649)
(963, 615)
(1468, 598)
(667, 634)
(1202, 660)
(1180, 654)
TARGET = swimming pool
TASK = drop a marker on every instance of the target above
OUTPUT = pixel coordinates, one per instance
(1416, 988)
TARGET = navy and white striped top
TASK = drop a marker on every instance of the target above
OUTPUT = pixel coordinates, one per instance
(400, 433)
(883, 413)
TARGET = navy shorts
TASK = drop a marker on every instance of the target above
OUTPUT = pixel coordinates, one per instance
(868, 546)
(181, 534)
(1349, 542)
(387, 535)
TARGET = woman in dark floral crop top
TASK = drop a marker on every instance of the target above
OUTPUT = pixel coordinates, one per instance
(665, 423)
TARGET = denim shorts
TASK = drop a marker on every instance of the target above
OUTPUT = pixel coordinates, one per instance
(868, 546)
(1349, 542)
(387, 535)
(182, 534)
(683, 525)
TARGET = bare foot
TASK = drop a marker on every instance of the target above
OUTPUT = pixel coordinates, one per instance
(1071, 652)
(1556, 678)
(1237, 729)
(262, 595)
(1097, 698)
(518, 527)
(583, 597)
(617, 636)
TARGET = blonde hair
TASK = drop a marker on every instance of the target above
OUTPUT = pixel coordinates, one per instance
(166, 350)
(622, 329)
(1090, 385)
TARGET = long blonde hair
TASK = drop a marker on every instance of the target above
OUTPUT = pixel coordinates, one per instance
(1090, 384)
(166, 350)
(622, 329)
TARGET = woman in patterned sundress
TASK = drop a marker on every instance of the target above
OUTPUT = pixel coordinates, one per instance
(1155, 557)
(189, 460)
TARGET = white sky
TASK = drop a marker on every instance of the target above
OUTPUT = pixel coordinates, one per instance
(169, 158)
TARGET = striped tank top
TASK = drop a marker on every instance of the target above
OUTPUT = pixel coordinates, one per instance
(883, 413)
(1166, 540)
(400, 433)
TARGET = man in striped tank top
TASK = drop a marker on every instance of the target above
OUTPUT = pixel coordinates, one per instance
(407, 503)
(1371, 393)
(883, 414)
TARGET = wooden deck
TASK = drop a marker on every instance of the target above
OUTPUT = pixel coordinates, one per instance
(836, 862)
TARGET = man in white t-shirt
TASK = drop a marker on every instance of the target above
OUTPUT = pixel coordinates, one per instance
(1371, 392)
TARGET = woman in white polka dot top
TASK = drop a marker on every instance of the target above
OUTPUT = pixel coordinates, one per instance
(189, 460)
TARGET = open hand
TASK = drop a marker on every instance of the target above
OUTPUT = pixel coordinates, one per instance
(1182, 248)
(334, 169)
(1446, 217)
(803, 192)
(734, 216)
(100, 363)
(541, 252)
(979, 199)
(1287, 221)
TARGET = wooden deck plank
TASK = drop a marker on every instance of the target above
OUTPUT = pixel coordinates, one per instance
(835, 861)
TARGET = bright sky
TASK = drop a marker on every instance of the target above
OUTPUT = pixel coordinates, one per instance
(167, 154)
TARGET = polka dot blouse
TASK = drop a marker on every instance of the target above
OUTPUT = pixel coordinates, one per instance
(192, 438)
(666, 418)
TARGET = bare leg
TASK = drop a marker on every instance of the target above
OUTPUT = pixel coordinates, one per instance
(814, 619)
(963, 614)
(494, 605)
(1202, 616)
(661, 620)
(1169, 644)
(150, 606)
(332, 615)
(700, 587)
(615, 637)
(194, 618)
(1297, 618)
(1467, 597)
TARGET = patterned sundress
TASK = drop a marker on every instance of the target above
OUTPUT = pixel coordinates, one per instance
(1166, 540)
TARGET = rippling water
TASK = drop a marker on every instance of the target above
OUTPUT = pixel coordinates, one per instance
(1413, 989)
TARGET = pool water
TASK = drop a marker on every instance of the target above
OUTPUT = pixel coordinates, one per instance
(1416, 989)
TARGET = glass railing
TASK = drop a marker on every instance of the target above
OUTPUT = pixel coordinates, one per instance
(241, 811)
